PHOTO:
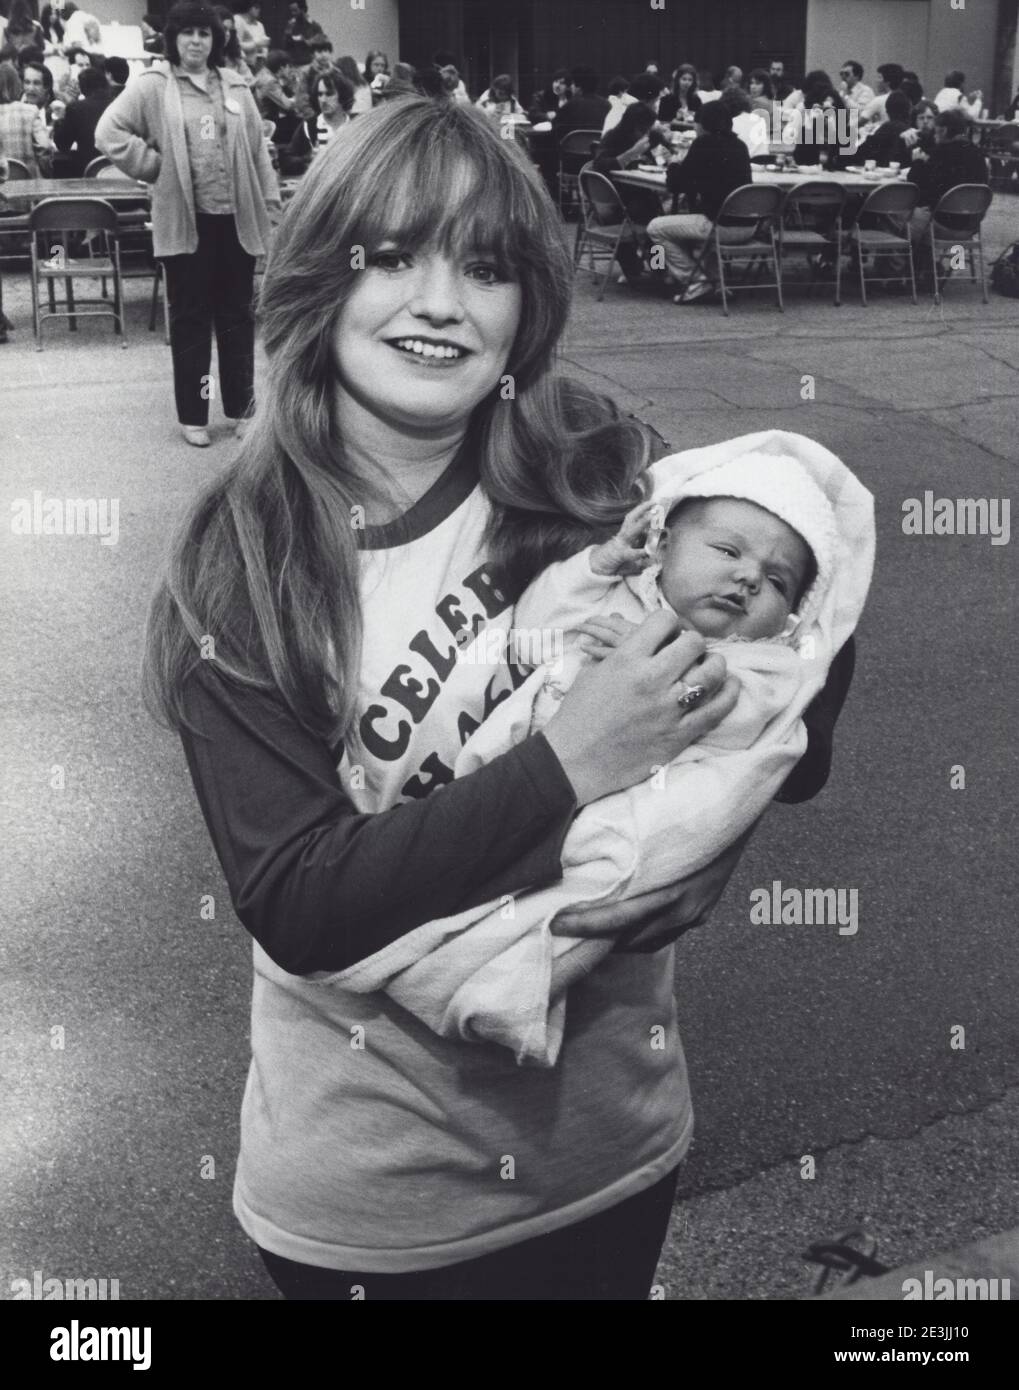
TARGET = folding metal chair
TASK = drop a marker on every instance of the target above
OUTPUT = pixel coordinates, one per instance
(65, 215)
(605, 222)
(755, 209)
(577, 147)
(99, 166)
(16, 169)
(1002, 150)
(811, 224)
(957, 221)
(891, 204)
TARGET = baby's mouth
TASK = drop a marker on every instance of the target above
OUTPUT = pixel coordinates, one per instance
(732, 603)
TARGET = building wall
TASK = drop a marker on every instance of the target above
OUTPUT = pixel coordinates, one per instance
(357, 31)
(927, 36)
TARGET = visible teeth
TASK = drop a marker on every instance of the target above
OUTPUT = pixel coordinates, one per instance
(424, 349)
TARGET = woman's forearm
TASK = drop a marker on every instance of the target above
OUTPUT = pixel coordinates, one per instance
(320, 885)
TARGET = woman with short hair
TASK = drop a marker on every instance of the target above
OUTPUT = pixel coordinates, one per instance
(191, 128)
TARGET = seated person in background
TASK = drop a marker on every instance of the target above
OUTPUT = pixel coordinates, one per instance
(852, 88)
(890, 77)
(952, 96)
(299, 29)
(783, 88)
(628, 142)
(363, 98)
(919, 138)
(819, 135)
(117, 72)
(619, 100)
(762, 93)
(886, 145)
(270, 89)
(250, 30)
(320, 61)
(585, 110)
(913, 87)
(77, 60)
(74, 135)
(733, 78)
(23, 133)
(448, 68)
(152, 34)
(682, 101)
(716, 163)
(751, 126)
(954, 160)
(499, 99)
(233, 54)
(37, 88)
(333, 97)
(547, 103)
(706, 84)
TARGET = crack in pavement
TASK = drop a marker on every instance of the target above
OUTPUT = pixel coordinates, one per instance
(748, 1174)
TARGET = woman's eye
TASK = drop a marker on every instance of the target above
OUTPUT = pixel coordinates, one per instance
(388, 260)
(485, 274)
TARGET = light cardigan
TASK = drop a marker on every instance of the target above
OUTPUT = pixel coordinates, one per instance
(143, 133)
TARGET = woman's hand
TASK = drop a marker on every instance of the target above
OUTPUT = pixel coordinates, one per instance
(654, 920)
(622, 719)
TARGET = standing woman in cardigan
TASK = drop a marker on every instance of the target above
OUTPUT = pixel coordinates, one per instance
(191, 128)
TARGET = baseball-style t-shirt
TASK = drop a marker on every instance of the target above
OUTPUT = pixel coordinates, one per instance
(368, 1143)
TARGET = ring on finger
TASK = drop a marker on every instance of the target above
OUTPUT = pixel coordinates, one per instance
(690, 695)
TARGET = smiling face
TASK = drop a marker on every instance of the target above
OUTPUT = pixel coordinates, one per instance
(732, 569)
(194, 46)
(424, 337)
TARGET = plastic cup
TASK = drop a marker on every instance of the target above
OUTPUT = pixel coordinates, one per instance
(894, 168)
(870, 165)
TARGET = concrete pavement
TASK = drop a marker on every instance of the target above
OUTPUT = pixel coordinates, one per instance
(800, 1041)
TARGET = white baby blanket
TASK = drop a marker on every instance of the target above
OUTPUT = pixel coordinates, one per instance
(496, 973)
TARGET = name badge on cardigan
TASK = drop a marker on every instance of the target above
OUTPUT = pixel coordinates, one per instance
(234, 107)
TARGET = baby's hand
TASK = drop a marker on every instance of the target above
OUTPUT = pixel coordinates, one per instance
(625, 553)
(603, 635)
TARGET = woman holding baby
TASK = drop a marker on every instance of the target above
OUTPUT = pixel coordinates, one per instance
(414, 463)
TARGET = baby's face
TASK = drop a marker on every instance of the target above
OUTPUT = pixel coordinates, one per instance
(732, 569)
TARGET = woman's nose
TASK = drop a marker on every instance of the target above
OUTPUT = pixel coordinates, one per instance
(437, 291)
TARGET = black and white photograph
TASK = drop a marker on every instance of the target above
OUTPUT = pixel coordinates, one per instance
(510, 670)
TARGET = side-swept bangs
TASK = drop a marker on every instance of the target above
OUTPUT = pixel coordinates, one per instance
(414, 174)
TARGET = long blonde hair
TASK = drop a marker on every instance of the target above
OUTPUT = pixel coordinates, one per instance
(264, 570)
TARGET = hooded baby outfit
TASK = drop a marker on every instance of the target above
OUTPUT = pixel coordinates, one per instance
(496, 973)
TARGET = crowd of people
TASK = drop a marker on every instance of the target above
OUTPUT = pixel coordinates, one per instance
(56, 84)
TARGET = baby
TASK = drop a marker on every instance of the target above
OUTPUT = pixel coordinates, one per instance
(738, 553)
(765, 546)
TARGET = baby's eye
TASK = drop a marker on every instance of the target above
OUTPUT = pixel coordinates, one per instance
(727, 550)
(779, 583)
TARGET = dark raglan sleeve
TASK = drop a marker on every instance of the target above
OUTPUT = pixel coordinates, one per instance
(321, 885)
(811, 772)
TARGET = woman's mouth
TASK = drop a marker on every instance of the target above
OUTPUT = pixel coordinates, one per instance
(429, 352)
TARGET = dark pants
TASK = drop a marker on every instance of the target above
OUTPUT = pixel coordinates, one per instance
(609, 1257)
(213, 287)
